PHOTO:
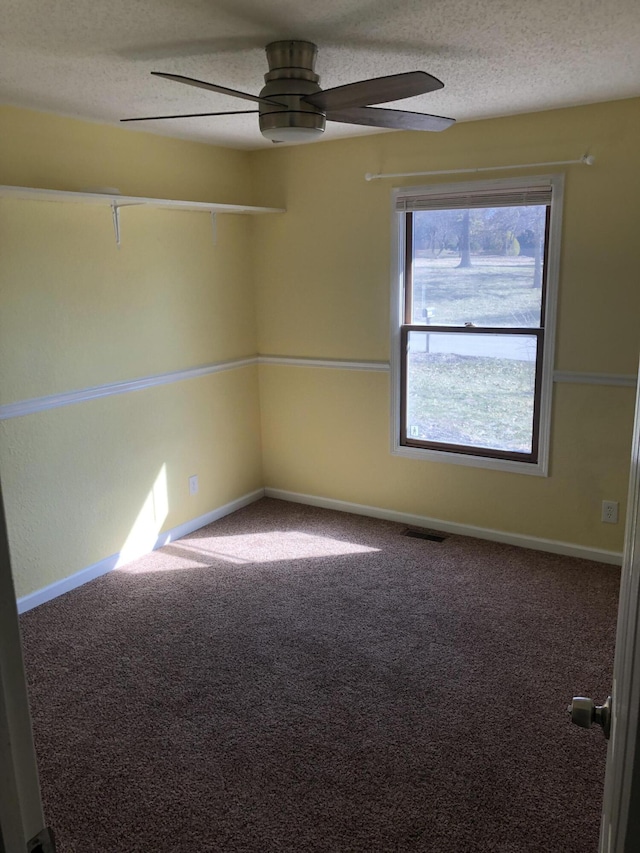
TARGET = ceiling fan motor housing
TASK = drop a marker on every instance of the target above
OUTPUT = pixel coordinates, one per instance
(291, 75)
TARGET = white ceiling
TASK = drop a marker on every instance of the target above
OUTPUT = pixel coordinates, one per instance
(92, 59)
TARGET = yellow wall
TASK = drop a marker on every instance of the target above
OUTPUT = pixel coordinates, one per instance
(323, 274)
(104, 477)
(44, 150)
(85, 481)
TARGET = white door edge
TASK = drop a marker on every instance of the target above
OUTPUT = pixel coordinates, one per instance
(21, 816)
(621, 788)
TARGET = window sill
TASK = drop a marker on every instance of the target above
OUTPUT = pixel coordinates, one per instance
(537, 469)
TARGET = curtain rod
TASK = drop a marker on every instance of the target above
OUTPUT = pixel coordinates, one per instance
(586, 160)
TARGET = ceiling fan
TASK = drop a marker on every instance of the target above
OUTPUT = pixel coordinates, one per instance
(293, 108)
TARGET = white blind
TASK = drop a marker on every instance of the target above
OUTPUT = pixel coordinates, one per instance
(492, 197)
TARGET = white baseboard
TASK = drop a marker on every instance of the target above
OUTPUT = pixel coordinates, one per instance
(537, 544)
(47, 593)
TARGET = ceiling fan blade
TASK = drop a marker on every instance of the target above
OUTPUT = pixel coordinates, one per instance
(393, 119)
(191, 115)
(212, 87)
(378, 90)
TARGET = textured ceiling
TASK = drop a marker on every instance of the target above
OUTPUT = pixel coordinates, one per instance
(496, 57)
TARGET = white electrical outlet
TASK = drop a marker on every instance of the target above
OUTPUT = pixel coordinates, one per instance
(610, 512)
(193, 485)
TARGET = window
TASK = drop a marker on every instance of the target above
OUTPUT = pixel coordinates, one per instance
(473, 315)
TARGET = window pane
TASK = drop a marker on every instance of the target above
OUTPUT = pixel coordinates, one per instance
(481, 266)
(471, 389)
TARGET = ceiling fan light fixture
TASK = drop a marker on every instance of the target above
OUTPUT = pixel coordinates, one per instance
(292, 125)
(292, 134)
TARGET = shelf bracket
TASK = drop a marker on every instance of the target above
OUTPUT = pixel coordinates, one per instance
(214, 228)
(115, 212)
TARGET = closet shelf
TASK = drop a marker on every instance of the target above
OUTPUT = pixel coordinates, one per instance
(35, 194)
(116, 201)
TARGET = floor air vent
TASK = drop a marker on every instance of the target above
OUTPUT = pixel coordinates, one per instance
(417, 533)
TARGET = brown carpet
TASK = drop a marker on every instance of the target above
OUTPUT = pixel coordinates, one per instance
(294, 679)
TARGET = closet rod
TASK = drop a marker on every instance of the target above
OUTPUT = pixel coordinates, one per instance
(586, 160)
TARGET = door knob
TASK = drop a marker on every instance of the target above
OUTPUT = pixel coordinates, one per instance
(584, 712)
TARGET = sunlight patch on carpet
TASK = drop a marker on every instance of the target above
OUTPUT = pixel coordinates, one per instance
(247, 548)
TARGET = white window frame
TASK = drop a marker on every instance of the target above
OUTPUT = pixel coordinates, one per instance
(541, 467)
